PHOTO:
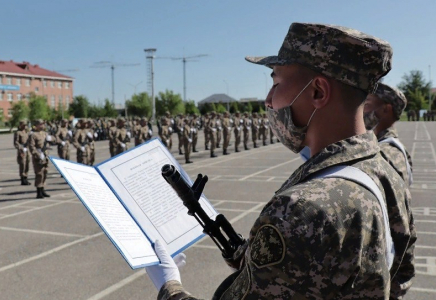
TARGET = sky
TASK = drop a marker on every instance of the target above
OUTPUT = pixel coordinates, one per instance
(71, 36)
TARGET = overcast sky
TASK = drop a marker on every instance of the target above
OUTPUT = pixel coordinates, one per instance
(72, 35)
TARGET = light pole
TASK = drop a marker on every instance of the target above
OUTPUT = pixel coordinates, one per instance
(429, 90)
(150, 58)
(227, 86)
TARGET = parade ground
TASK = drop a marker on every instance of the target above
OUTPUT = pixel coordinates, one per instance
(52, 248)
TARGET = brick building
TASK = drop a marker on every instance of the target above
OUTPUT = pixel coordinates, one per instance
(19, 80)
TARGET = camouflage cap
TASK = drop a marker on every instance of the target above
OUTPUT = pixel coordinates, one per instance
(144, 119)
(23, 122)
(121, 119)
(38, 122)
(345, 54)
(393, 96)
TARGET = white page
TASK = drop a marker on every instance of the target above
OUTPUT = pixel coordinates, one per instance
(109, 213)
(135, 176)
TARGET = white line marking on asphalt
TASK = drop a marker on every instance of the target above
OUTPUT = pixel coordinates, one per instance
(214, 247)
(426, 232)
(118, 285)
(424, 221)
(216, 177)
(426, 211)
(254, 208)
(428, 264)
(31, 210)
(413, 151)
(416, 131)
(41, 232)
(235, 201)
(47, 253)
(271, 178)
(426, 131)
(416, 289)
(270, 168)
(425, 247)
(238, 210)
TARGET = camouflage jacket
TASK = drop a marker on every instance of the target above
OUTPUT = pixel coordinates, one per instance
(323, 238)
(403, 279)
(392, 154)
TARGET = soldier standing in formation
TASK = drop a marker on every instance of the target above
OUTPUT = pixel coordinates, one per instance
(144, 133)
(122, 137)
(246, 126)
(237, 123)
(299, 247)
(206, 131)
(111, 133)
(179, 129)
(227, 131)
(219, 129)
(187, 140)
(212, 129)
(80, 142)
(38, 143)
(165, 133)
(255, 130)
(264, 127)
(63, 136)
(194, 129)
(21, 138)
(91, 135)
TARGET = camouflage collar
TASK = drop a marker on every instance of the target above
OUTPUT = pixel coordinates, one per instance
(387, 133)
(344, 152)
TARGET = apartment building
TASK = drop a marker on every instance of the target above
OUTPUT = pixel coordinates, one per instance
(19, 80)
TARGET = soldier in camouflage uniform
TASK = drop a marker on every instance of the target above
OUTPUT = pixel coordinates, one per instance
(179, 124)
(21, 138)
(63, 137)
(144, 133)
(39, 141)
(321, 237)
(237, 123)
(81, 143)
(382, 110)
(122, 137)
(227, 131)
(212, 128)
(206, 131)
(111, 136)
(91, 135)
(246, 126)
(165, 133)
(194, 124)
(264, 127)
(255, 129)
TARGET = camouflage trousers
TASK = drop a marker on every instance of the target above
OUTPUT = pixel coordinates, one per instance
(83, 156)
(218, 138)
(40, 166)
(187, 148)
(91, 159)
(180, 137)
(194, 140)
(23, 160)
(213, 138)
(206, 138)
(226, 139)
(237, 134)
(64, 151)
(263, 135)
(246, 137)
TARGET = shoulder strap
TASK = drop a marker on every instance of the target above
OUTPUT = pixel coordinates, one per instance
(396, 143)
(361, 178)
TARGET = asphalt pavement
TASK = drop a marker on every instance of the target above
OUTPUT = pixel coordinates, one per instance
(52, 248)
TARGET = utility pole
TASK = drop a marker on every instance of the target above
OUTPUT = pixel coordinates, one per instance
(184, 59)
(429, 91)
(106, 64)
(149, 52)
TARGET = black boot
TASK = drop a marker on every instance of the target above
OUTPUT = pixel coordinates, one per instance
(26, 182)
(255, 145)
(225, 152)
(246, 148)
(264, 143)
(189, 161)
(212, 154)
(206, 147)
(195, 150)
(44, 194)
(236, 150)
(38, 193)
(180, 152)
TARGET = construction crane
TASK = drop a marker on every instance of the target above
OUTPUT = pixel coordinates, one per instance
(112, 65)
(184, 59)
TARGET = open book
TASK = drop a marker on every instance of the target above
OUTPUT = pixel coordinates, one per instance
(133, 204)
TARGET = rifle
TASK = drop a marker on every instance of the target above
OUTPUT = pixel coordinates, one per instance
(190, 196)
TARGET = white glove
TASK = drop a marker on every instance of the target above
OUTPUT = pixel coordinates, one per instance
(170, 129)
(168, 142)
(89, 134)
(95, 134)
(70, 133)
(167, 269)
(195, 130)
(239, 129)
(241, 121)
(41, 156)
(128, 134)
(266, 126)
(82, 149)
(150, 132)
(172, 121)
(257, 127)
(123, 145)
(219, 128)
(63, 143)
(190, 140)
(48, 138)
(182, 129)
(213, 129)
(229, 128)
(24, 149)
(192, 129)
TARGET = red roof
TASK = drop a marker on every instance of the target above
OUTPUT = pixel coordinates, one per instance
(27, 68)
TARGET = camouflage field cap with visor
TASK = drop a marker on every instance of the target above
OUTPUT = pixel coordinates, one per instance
(393, 96)
(342, 53)
(38, 122)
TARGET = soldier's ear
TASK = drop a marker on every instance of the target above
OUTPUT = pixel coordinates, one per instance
(320, 89)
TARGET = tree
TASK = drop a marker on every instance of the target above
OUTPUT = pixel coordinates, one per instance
(416, 90)
(208, 107)
(39, 108)
(95, 111)
(20, 111)
(79, 107)
(109, 109)
(168, 101)
(140, 105)
(220, 108)
(191, 107)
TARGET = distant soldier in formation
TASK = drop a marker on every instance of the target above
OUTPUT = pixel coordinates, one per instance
(165, 133)
(212, 128)
(264, 127)
(195, 124)
(144, 133)
(227, 131)
(111, 134)
(246, 129)
(206, 131)
(63, 137)
(81, 143)
(237, 123)
(21, 138)
(219, 130)
(255, 129)
(122, 137)
(91, 135)
(187, 140)
(179, 125)
(38, 143)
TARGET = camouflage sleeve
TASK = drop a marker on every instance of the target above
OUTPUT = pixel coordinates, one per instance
(395, 158)
(173, 290)
(402, 281)
(16, 143)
